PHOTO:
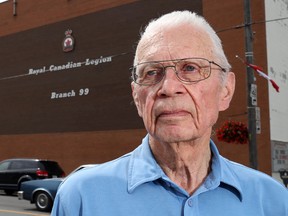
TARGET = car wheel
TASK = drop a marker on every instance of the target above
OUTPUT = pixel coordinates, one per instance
(43, 201)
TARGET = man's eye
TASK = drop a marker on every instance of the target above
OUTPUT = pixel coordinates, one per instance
(189, 68)
(151, 73)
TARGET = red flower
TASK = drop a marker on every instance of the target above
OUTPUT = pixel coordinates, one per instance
(233, 132)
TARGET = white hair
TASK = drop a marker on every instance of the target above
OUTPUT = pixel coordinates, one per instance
(192, 19)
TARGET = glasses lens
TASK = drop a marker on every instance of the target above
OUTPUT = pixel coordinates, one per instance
(193, 70)
(187, 70)
(148, 73)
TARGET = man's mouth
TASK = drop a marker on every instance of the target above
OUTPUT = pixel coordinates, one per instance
(173, 114)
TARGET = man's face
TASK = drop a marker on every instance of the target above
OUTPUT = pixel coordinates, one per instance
(171, 110)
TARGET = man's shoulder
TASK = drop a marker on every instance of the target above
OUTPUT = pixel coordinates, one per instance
(240, 169)
(248, 177)
(113, 168)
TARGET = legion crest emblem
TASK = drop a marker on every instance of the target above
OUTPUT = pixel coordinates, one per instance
(68, 42)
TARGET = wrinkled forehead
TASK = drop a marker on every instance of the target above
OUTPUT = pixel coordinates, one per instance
(174, 43)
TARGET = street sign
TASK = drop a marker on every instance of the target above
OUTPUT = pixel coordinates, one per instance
(258, 127)
(253, 94)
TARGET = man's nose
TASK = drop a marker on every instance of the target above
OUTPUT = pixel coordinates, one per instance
(170, 72)
(170, 84)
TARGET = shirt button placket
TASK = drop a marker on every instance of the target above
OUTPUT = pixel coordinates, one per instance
(190, 203)
(190, 207)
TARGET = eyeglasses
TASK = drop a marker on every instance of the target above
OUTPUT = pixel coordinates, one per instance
(188, 70)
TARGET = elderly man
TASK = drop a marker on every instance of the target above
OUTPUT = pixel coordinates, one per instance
(181, 80)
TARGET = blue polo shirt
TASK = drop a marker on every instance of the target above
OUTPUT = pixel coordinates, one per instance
(135, 185)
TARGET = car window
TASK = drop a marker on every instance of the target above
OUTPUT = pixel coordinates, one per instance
(52, 167)
(29, 164)
(16, 165)
(4, 165)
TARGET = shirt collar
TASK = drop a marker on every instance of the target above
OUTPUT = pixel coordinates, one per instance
(143, 168)
(223, 174)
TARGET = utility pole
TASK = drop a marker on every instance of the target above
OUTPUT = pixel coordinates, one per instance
(251, 88)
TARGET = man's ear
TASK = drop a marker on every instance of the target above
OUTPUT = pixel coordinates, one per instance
(227, 91)
(136, 100)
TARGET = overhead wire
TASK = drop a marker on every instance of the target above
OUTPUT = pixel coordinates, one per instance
(252, 23)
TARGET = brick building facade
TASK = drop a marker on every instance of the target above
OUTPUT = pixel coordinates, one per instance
(92, 119)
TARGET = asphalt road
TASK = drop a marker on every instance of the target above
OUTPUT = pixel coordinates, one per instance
(11, 206)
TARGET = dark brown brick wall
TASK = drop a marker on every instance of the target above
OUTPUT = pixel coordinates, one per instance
(33, 13)
(71, 149)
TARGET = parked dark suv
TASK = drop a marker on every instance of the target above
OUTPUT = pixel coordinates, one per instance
(15, 171)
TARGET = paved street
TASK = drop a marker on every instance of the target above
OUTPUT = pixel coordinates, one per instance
(11, 206)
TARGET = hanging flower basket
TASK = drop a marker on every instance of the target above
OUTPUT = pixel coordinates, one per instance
(233, 132)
